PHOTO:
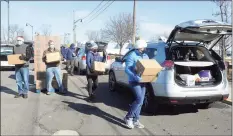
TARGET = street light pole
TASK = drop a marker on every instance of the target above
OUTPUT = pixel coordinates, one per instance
(8, 15)
(27, 24)
(134, 22)
(74, 26)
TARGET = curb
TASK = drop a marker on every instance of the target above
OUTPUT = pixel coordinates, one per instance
(229, 102)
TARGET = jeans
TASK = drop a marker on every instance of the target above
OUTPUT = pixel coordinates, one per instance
(92, 86)
(139, 91)
(50, 73)
(22, 79)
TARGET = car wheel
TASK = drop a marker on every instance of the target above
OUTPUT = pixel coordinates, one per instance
(203, 105)
(112, 82)
(149, 104)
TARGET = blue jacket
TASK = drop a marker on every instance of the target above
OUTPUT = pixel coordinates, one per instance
(70, 51)
(130, 65)
(91, 57)
(63, 51)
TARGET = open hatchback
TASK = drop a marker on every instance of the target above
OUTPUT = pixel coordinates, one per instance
(190, 52)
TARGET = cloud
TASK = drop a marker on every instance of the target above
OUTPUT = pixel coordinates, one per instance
(149, 30)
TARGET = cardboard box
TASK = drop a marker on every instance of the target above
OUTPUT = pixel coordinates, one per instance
(148, 69)
(53, 57)
(14, 59)
(99, 66)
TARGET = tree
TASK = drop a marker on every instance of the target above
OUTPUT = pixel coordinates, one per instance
(15, 31)
(94, 35)
(225, 13)
(46, 30)
(119, 29)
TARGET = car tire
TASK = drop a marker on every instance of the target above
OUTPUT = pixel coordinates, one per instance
(203, 105)
(150, 105)
(112, 84)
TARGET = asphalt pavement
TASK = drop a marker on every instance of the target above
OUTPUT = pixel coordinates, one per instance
(44, 115)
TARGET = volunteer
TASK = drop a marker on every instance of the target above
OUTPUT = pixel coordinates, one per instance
(92, 78)
(52, 69)
(139, 89)
(22, 70)
(70, 58)
(63, 51)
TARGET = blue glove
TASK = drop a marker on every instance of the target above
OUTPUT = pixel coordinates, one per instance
(137, 78)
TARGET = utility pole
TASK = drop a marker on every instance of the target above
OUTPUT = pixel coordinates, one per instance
(8, 14)
(74, 26)
(134, 22)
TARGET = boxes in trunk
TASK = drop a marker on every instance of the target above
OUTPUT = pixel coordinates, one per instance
(14, 59)
(53, 57)
(148, 69)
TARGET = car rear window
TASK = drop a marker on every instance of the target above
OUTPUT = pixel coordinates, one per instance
(6, 50)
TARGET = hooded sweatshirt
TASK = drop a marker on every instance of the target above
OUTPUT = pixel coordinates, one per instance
(70, 52)
(63, 51)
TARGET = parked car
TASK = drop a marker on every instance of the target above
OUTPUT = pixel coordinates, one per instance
(6, 49)
(80, 61)
(183, 53)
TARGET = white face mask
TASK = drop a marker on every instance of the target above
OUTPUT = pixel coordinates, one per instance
(19, 42)
(155, 53)
(51, 46)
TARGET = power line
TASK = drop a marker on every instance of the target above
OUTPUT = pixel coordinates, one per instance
(93, 10)
(101, 11)
(98, 11)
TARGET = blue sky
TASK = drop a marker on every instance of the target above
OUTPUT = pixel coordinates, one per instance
(154, 17)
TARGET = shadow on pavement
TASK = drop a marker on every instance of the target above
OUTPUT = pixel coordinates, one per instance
(92, 110)
(122, 99)
(8, 90)
(31, 79)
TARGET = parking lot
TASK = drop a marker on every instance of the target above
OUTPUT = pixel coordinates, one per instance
(44, 115)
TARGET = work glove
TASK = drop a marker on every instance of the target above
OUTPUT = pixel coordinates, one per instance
(137, 78)
(22, 57)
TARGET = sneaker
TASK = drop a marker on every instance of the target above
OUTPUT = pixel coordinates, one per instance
(129, 123)
(18, 96)
(25, 96)
(137, 124)
(48, 93)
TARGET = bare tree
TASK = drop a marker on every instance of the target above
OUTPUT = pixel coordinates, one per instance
(46, 30)
(225, 13)
(119, 29)
(94, 35)
(15, 31)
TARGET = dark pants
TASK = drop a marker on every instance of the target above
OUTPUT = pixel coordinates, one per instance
(139, 91)
(70, 66)
(92, 84)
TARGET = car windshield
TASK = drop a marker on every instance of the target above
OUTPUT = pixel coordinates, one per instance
(6, 50)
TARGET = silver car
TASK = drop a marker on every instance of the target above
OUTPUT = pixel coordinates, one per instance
(80, 61)
(184, 53)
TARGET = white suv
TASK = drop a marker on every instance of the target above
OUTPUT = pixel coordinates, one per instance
(185, 52)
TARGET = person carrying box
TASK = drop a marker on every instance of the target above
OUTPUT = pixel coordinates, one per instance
(52, 68)
(22, 70)
(132, 117)
(92, 77)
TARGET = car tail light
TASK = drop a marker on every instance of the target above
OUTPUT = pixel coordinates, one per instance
(225, 97)
(167, 64)
(83, 57)
(108, 57)
(173, 101)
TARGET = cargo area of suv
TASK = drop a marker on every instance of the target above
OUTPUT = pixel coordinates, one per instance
(195, 67)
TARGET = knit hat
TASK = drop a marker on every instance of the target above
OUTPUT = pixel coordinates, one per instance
(20, 38)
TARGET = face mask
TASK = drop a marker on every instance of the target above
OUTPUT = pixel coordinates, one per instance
(155, 53)
(51, 46)
(19, 42)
